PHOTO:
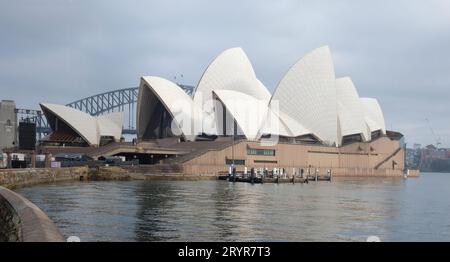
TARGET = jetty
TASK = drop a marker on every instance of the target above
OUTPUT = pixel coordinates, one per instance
(270, 178)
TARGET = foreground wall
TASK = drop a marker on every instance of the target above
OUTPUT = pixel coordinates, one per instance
(11, 178)
(381, 157)
(21, 220)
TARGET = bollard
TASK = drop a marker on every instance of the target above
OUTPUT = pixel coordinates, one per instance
(8, 160)
(48, 160)
(33, 160)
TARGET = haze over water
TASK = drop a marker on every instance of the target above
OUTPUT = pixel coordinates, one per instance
(347, 209)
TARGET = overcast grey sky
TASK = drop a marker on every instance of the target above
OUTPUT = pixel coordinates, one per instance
(396, 51)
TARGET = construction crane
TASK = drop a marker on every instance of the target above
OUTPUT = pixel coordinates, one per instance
(436, 137)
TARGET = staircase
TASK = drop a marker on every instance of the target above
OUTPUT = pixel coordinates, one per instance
(388, 157)
(170, 165)
(108, 149)
(200, 148)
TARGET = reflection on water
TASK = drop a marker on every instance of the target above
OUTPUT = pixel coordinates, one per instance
(348, 209)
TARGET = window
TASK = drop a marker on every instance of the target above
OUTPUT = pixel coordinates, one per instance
(8, 122)
(265, 161)
(236, 161)
(260, 152)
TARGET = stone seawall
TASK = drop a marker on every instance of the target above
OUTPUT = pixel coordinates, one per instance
(12, 178)
(365, 172)
(22, 221)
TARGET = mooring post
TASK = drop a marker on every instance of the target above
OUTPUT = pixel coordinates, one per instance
(48, 160)
(33, 160)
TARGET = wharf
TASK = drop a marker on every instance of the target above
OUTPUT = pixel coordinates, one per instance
(276, 180)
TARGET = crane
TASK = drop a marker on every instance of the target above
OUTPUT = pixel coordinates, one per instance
(436, 137)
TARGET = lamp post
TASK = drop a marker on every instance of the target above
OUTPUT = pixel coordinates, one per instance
(232, 144)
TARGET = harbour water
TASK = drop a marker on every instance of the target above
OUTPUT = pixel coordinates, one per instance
(347, 209)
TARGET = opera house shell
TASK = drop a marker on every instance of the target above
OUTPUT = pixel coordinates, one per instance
(309, 104)
(76, 128)
(313, 120)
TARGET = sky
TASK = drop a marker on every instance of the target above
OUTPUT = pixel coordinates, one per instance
(395, 51)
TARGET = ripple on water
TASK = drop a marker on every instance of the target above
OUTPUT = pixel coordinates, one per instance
(348, 209)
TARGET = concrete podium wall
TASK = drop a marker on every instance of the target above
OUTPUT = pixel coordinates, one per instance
(23, 221)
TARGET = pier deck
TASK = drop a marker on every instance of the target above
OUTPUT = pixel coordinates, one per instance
(277, 180)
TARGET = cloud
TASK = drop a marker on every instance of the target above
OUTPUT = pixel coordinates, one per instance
(396, 51)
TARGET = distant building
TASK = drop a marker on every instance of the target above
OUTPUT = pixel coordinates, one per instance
(8, 124)
(410, 157)
(429, 154)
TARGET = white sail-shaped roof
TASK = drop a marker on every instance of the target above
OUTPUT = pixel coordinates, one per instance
(350, 110)
(373, 114)
(307, 94)
(175, 100)
(293, 126)
(264, 94)
(230, 70)
(110, 124)
(307, 101)
(82, 123)
(251, 114)
(90, 128)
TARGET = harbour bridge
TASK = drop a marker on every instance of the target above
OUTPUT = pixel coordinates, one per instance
(120, 100)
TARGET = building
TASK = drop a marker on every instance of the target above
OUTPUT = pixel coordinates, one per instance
(312, 118)
(71, 127)
(8, 124)
(309, 102)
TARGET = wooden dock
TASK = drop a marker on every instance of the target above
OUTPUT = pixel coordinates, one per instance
(272, 177)
(319, 178)
(276, 180)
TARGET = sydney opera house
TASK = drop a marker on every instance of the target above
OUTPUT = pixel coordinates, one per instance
(312, 119)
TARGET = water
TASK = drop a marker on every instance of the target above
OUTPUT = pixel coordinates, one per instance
(348, 209)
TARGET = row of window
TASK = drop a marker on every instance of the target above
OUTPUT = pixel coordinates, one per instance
(235, 162)
(241, 162)
(260, 152)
